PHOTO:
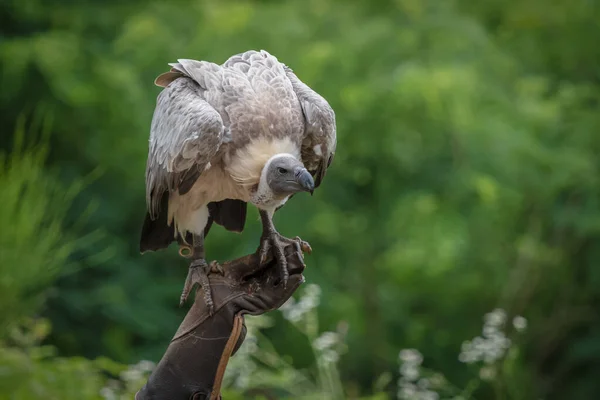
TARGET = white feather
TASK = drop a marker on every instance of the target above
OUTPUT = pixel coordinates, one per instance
(195, 222)
(318, 150)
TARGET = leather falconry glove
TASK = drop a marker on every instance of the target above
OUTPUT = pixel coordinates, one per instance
(193, 366)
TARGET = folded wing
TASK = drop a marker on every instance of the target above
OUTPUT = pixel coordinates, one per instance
(186, 133)
(320, 141)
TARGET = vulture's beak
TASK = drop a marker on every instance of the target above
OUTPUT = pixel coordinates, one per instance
(305, 180)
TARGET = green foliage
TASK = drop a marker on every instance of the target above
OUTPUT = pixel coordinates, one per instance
(31, 371)
(257, 369)
(466, 178)
(33, 248)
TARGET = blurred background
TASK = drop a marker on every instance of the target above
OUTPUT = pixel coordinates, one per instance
(456, 236)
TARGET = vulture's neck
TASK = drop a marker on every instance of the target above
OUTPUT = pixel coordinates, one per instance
(247, 164)
(262, 195)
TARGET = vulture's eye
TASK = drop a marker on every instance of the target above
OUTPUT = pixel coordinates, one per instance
(282, 170)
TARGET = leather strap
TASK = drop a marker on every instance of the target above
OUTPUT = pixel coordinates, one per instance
(238, 323)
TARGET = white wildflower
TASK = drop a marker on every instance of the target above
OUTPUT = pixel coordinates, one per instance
(312, 295)
(493, 354)
(437, 380)
(407, 391)
(294, 310)
(410, 356)
(466, 346)
(108, 394)
(487, 373)
(326, 341)
(409, 384)
(409, 371)
(495, 318)
(492, 345)
(325, 345)
(330, 356)
(131, 375)
(243, 375)
(466, 358)
(423, 383)
(478, 342)
(410, 360)
(410, 391)
(489, 331)
(110, 391)
(287, 309)
(429, 395)
(136, 372)
(520, 323)
(113, 384)
(250, 345)
(146, 366)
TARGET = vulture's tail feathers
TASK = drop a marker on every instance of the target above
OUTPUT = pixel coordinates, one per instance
(157, 234)
(230, 214)
(164, 79)
(206, 74)
(189, 68)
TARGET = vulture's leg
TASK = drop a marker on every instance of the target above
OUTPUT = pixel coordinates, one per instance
(198, 272)
(271, 239)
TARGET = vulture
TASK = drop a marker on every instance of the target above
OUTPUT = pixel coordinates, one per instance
(222, 136)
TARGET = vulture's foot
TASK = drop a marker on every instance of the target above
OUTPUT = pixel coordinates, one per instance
(277, 243)
(198, 274)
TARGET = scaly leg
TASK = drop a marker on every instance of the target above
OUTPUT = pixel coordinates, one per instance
(271, 239)
(198, 272)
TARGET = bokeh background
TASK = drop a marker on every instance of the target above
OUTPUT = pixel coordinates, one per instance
(466, 180)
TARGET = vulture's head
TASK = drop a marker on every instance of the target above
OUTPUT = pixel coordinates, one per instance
(286, 175)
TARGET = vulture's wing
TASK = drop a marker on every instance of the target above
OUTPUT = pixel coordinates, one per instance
(319, 144)
(186, 133)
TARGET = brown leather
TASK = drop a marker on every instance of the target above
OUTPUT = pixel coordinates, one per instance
(195, 361)
(230, 347)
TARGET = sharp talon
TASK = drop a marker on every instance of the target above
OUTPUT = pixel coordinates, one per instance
(297, 246)
(215, 268)
(209, 303)
(264, 250)
(198, 275)
(306, 247)
(276, 243)
(285, 273)
(184, 296)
